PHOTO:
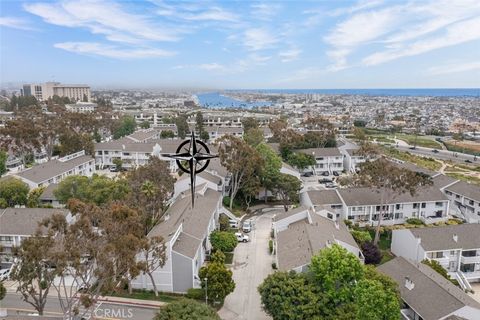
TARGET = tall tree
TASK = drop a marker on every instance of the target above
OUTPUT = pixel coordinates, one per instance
(287, 187)
(269, 172)
(218, 279)
(3, 162)
(33, 271)
(124, 126)
(386, 305)
(199, 123)
(250, 123)
(151, 186)
(153, 252)
(182, 126)
(14, 191)
(240, 160)
(254, 137)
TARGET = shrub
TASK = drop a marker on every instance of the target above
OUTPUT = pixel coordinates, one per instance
(371, 252)
(274, 266)
(186, 309)
(270, 246)
(348, 223)
(223, 241)
(224, 222)
(415, 221)
(361, 236)
(196, 293)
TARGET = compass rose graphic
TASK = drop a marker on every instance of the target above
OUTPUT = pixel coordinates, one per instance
(192, 157)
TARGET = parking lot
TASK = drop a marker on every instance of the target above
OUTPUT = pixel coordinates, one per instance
(252, 263)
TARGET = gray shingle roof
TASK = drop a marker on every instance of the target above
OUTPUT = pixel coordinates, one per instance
(370, 196)
(300, 241)
(141, 135)
(45, 171)
(195, 221)
(441, 238)
(433, 296)
(186, 245)
(440, 181)
(468, 190)
(322, 152)
(286, 214)
(47, 193)
(324, 197)
(24, 221)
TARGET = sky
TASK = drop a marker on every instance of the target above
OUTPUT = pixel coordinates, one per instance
(242, 44)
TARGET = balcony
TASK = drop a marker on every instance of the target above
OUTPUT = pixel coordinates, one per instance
(468, 260)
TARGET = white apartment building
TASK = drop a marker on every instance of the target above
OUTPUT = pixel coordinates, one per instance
(186, 232)
(455, 247)
(20, 223)
(363, 206)
(56, 170)
(81, 107)
(134, 154)
(327, 160)
(465, 200)
(351, 160)
(43, 91)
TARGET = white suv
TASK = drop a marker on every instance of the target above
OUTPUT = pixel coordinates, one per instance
(241, 237)
(247, 226)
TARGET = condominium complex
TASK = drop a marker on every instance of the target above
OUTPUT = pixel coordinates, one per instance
(43, 91)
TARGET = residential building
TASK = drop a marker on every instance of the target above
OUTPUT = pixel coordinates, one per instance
(134, 154)
(427, 295)
(455, 247)
(322, 201)
(56, 170)
(48, 197)
(43, 91)
(352, 159)
(301, 233)
(144, 135)
(17, 224)
(81, 107)
(364, 206)
(465, 200)
(186, 233)
(327, 160)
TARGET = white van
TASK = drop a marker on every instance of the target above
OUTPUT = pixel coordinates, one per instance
(233, 223)
(247, 226)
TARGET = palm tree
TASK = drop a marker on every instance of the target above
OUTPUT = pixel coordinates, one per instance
(149, 190)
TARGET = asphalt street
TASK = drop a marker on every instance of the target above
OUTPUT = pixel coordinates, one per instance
(251, 264)
(441, 154)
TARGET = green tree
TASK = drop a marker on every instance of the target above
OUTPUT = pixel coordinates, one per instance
(167, 134)
(254, 137)
(124, 126)
(223, 240)
(336, 271)
(435, 265)
(224, 222)
(361, 236)
(240, 160)
(14, 191)
(186, 309)
(96, 189)
(289, 296)
(145, 125)
(3, 162)
(33, 200)
(218, 279)
(32, 271)
(269, 172)
(204, 136)
(250, 123)
(118, 163)
(199, 123)
(371, 252)
(3, 291)
(301, 160)
(182, 126)
(287, 188)
(374, 302)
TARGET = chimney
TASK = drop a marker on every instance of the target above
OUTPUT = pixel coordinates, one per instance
(337, 225)
(455, 237)
(409, 283)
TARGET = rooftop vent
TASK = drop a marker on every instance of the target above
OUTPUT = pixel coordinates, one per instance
(409, 283)
(455, 237)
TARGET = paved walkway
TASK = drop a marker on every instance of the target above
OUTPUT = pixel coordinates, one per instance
(252, 263)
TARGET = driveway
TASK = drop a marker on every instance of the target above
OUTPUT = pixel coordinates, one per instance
(252, 263)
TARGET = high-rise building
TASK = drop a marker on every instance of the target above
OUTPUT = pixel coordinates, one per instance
(43, 91)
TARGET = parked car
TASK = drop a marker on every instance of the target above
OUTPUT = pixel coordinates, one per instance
(247, 226)
(233, 223)
(307, 174)
(325, 174)
(468, 161)
(330, 185)
(325, 180)
(336, 174)
(412, 148)
(435, 151)
(4, 274)
(242, 237)
(113, 168)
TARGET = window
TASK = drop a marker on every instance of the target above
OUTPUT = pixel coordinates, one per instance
(398, 206)
(438, 255)
(415, 205)
(469, 253)
(452, 253)
(424, 204)
(439, 204)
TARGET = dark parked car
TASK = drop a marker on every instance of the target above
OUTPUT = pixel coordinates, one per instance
(468, 161)
(412, 148)
(435, 151)
(325, 174)
(308, 174)
(325, 180)
(336, 174)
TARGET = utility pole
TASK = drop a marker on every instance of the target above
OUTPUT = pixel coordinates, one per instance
(206, 291)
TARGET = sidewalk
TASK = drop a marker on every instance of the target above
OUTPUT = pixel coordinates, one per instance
(12, 288)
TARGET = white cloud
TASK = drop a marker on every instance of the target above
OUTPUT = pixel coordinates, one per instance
(212, 14)
(402, 30)
(455, 68)
(455, 34)
(15, 23)
(212, 67)
(259, 39)
(103, 17)
(94, 48)
(264, 11)
(289, 55)
(361, 5)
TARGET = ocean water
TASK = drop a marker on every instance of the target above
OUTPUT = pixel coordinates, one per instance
(218, 100)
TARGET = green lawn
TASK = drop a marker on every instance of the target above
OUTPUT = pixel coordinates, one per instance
(148, 295)
(428, 163)
(460, 176)
(421, 141)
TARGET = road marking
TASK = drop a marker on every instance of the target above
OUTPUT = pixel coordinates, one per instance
(34, 311)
